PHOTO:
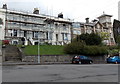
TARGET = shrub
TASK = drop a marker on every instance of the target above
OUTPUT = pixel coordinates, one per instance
(74, 48)
(95, 50)
(5, 42)
(113, 47)
(89, 39)
(80, 48)
(113, 52)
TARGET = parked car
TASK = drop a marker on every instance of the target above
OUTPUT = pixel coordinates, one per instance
(113, 59)
(81, 60)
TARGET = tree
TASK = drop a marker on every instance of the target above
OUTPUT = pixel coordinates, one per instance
(86, 44)
(74, 48)
(79, 48)
(91, 39)
(104, 35)
(118, 42)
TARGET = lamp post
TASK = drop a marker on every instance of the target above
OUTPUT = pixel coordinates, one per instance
(38, 50)
(5, 7)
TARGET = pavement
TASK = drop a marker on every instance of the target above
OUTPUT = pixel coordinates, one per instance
(9, 63)
(20, 63)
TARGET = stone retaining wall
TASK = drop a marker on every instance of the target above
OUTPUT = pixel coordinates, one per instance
(59, 59)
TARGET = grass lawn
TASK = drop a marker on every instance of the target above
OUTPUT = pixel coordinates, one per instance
(44, 50)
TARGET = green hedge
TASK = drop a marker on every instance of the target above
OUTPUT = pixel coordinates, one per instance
(80, 48)
(95, 50)
(74, 48)
(113, 47)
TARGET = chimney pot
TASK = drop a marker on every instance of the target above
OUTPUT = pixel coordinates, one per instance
(87, 20)
(4, 6)
(36, 11)
(60, 15)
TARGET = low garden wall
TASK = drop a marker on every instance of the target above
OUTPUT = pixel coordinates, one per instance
(53, 59)
(49, 59)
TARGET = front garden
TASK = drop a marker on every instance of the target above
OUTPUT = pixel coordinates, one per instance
(44, 50)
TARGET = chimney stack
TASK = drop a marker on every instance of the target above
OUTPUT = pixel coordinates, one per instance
(87, 20)
(4, 6)
(36, 11)
(60, 15)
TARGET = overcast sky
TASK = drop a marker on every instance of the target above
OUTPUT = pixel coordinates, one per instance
(73, 9)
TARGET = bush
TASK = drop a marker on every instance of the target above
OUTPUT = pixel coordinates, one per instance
(89, 39)
(74, 48)
(113, 47)
(95, 50)
(113, 51)
(5, 42)
(80, 48)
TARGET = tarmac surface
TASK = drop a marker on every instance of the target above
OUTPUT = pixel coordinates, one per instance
(61, 73)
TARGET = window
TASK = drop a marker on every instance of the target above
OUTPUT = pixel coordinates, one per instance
(79, 32)
(35, 25)
(50, 35)
(36, 34)
(56, 25)
(64, 27)
(76, 25)
(47, 35)
(14, 23)
(15, 17)
(89, 31)
(25, 24)
(15, 42)
(74, 32)
(25, 33)
(25, 19)
(49, 25)
(1, 21)
(15, 32)
(56, 37)
(62, 36)
(66, 36)
(33, 34)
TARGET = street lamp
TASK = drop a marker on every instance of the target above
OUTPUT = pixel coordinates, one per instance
(38, 49)
(5, 7)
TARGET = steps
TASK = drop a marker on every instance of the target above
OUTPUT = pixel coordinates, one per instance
(11, 53)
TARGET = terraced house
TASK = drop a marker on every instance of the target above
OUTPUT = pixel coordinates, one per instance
(102, 26)
(32, 28)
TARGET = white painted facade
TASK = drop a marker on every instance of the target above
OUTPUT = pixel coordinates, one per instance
(2, 26)
(34, 28)
(119, 10)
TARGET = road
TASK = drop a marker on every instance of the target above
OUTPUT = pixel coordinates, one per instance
(0, 62)
(61, 73)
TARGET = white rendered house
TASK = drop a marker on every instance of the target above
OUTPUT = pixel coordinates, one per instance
(33, 28)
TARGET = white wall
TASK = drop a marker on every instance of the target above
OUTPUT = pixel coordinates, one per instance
(2, 26)
(119, 10)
